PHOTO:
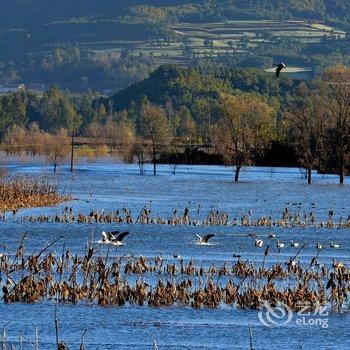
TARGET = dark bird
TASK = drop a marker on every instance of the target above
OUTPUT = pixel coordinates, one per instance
(266, 252)
(279, 66)
(205, 239)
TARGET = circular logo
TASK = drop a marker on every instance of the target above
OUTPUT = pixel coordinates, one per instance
(275, 316)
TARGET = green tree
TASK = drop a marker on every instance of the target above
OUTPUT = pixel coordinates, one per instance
(55, 110)
(187, 126)
(13, 111)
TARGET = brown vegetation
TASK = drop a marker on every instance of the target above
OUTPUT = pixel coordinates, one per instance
(25, 193)
(117, 281)
(213, 218)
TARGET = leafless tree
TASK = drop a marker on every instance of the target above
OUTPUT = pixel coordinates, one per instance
(337, 101)
(156, 129)
(56, 147)
(244, 129)
(97, 131)
(306, 124)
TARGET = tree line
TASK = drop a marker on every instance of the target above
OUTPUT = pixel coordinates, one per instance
(237, 117)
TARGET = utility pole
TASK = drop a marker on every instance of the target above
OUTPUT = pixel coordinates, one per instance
(72, 153)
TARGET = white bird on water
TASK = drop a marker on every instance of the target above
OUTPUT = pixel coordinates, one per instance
(334, 245)
(294, 244)
(319, 246)
(204, 240)
(279, 244)
(259, 242)
(113, 238)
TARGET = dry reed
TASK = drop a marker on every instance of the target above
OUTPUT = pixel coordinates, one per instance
(22, 192)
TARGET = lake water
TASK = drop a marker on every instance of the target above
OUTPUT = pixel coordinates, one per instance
(109, 186)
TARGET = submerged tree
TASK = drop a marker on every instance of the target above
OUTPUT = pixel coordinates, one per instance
(34, 141)
(245, 128)
(306, 124)
(56, 147)
(337, 101)
(156, 128)
(120, 135)
(97, 132)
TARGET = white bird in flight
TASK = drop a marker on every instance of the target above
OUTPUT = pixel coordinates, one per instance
(114, 237)
(205, 239)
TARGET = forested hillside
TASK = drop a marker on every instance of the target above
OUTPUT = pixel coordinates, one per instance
(109, 44)
(188, 109)
(35, 13)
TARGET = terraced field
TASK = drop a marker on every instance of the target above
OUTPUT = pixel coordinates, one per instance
(231, 30)
(222, 38)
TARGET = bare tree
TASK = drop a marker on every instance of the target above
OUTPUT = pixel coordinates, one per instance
(112, 133)
(29, 140)
(139, 152)
(306, 123)
(56, 147)
(244, 129)
(16, 140)
(156, 129)
(121, 135)
(97, 131)
(35, 139)
(127, 140)
(337, 100)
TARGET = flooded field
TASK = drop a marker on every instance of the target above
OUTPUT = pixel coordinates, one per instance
(261, 193)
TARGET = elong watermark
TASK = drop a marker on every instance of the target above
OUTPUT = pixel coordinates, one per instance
(281, 315)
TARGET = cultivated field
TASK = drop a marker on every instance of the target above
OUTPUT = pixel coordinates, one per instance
(221, 38)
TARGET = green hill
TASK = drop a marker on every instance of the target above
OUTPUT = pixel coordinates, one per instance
(150, 33)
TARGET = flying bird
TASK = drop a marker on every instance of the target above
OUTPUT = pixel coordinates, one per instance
(114, 238)
(279, 66)
(107, 237)
(205, 239)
